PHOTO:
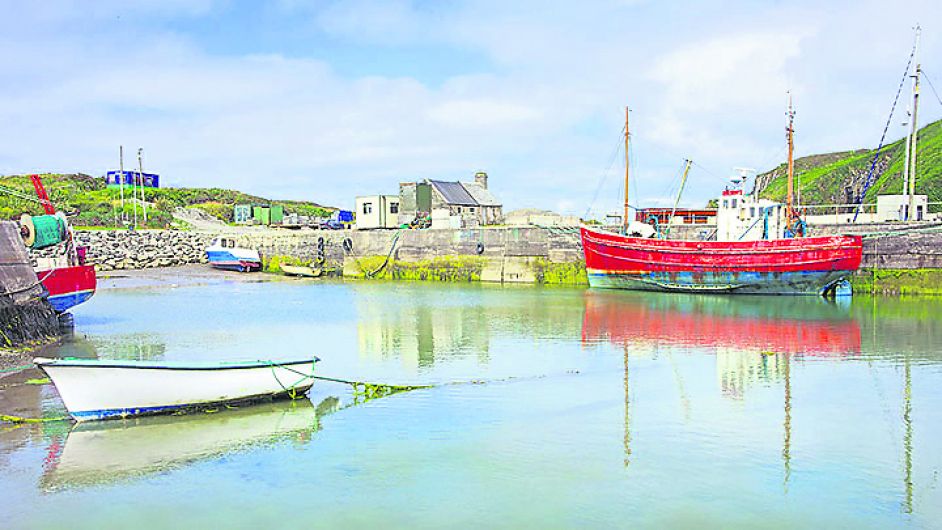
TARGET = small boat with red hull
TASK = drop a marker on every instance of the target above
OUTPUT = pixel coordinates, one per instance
(68, 286)
(810, 265)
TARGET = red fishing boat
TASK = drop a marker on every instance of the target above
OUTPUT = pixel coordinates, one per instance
(779, 261)
(67, 279)
(810, 265)
(68, 286)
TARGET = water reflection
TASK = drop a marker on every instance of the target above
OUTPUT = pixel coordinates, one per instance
(421, 325)
(100, 453)
(757, 340)
(419, 333)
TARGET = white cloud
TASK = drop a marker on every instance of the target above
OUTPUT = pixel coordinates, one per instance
(540, 111)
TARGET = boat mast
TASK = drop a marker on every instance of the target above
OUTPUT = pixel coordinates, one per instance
(790, 135)
(914, 129)
(683, 182)
(625, 219)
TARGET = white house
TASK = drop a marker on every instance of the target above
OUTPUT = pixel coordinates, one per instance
(894, 207)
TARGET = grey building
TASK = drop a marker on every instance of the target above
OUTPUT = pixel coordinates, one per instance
(471, 201)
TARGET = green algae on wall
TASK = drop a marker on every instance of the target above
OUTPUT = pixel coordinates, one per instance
(898, 281)
(461, 268)
(552, 273)
(446, 269)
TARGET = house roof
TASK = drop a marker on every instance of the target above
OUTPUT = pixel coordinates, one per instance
(480, 194)
(453, 193)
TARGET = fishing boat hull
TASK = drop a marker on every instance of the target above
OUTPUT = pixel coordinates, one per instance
(224, 254)
(68, 286)
(799, 266)
(98, 390)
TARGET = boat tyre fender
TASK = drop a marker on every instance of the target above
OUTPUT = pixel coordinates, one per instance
(348, 244)
(480, 248)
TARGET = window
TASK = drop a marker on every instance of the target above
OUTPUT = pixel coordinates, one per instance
(734, 203)
(472, 209)
(367, 207)
(394, 207)
(725, 203)
(459, 209)
(752, 211)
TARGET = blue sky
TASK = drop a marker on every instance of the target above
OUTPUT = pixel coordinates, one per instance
(326, 100)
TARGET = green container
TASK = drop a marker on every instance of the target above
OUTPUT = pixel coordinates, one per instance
(277, 214)
(262, 214)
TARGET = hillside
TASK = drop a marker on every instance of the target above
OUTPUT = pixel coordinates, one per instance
(89, 202)
(838, 178)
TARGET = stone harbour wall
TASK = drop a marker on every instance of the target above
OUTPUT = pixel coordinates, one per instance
(117, 250)
(494, 254)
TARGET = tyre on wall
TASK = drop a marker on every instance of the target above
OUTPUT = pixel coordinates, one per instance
(480, 248)
(348, 244)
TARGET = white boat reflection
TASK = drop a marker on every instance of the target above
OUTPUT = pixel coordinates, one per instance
(101, 453)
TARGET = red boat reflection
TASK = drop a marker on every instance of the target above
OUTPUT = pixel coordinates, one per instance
(773, 324)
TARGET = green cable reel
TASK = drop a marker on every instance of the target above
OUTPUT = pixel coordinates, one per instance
(44, 230)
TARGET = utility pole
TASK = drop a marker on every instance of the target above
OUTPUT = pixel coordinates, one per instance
(140, 168)
(915, 131)
(625, 219)
(121, 182)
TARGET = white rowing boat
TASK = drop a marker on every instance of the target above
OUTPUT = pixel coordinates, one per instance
(95, 389)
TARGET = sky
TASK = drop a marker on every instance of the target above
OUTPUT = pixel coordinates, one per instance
(327, 100)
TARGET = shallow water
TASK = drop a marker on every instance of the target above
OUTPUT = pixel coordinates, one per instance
(600, 409)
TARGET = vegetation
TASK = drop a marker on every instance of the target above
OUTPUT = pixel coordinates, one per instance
(839, 178)
(445, 268)
(89, 202)
(898, 281)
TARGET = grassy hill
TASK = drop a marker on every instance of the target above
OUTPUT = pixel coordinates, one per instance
(838, 178)
(89, 202)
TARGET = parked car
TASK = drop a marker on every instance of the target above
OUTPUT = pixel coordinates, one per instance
(332, 225)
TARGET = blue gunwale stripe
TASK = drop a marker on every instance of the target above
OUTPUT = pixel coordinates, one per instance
(111, 414)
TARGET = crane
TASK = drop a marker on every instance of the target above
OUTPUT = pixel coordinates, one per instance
(43, 196)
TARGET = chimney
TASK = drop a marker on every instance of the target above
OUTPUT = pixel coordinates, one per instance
(481, 179)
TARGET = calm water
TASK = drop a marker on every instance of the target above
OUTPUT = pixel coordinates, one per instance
(603, 409)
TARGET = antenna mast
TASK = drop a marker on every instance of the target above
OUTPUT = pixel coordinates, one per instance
(625, 219)
(140, 173)
(914, 131)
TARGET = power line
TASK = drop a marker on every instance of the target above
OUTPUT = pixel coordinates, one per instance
(889, 119)
(932, 87)
(606, 173)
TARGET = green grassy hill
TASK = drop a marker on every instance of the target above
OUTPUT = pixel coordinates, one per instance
(89, 202)
(838, 178)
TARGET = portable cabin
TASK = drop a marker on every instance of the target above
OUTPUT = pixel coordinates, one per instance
(377, 211)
